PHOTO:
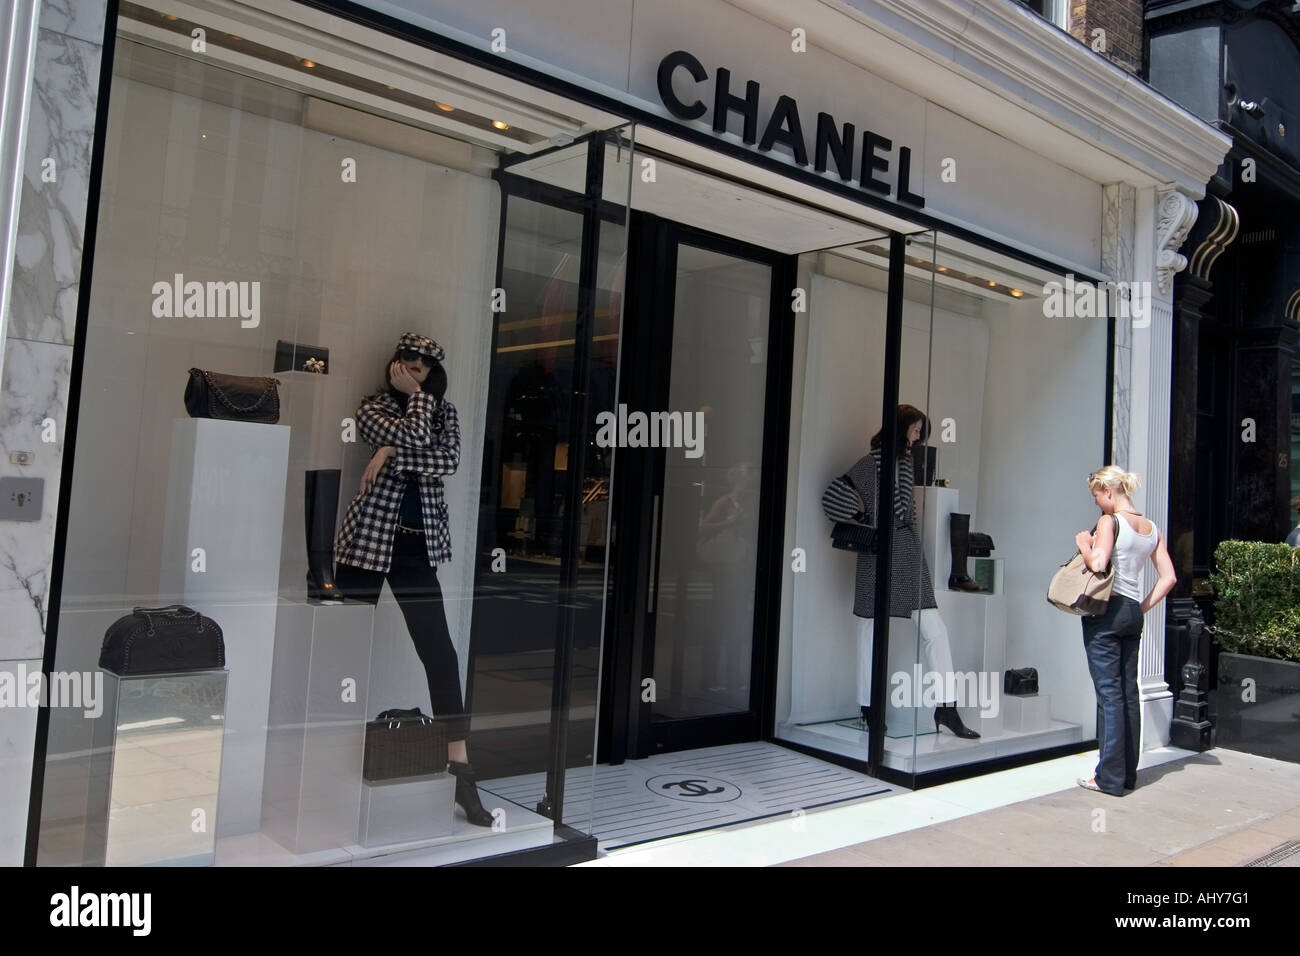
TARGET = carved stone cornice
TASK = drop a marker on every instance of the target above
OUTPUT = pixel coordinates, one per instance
(1177, 214)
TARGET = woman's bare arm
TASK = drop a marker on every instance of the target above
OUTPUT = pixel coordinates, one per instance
(1165, 567)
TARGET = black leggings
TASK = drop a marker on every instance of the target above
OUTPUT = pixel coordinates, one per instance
(414, 583)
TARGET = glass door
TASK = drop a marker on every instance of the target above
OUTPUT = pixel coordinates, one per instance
(701, 426)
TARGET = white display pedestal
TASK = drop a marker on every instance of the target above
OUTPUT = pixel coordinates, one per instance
(936, 505)
(412, 808)
(977, 635)
(155, 726)
(317, 725)
(1027, 715)
(225, 495)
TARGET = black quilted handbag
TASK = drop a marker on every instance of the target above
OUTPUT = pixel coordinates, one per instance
(153, 640)
(847, 536)
(404, 743)
(236, 398)
(1020, 682)
(854, 535)
(980, 545)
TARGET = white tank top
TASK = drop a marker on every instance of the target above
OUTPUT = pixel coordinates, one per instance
(1132, 551)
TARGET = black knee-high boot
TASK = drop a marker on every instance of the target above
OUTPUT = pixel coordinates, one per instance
(321, 504)
(959, 539)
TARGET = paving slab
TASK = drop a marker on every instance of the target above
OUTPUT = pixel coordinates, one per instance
(1219, 808)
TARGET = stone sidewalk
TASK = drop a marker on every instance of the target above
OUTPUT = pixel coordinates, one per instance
(1219, 808)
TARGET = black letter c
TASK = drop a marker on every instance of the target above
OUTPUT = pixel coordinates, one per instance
(666, 67)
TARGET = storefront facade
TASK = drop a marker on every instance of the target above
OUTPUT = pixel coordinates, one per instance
(679, 286)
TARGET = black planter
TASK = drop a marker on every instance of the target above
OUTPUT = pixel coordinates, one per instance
(1270, 724)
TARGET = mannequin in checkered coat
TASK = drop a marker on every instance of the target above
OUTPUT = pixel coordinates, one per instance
(853, 498)
(395, 530)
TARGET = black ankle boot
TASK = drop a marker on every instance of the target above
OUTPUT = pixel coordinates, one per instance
(321, 504)
(945, 715)
(467, 794)
(865, 716)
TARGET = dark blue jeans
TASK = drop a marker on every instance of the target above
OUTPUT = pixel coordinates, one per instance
(1111, 641)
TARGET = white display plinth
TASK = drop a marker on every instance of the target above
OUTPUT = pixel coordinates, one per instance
(412, 808)
(317, 733)
(936, 505)
(225, 495)
(977, 636)
(1026, 715)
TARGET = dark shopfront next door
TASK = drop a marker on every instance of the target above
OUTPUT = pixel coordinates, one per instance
(690, 645)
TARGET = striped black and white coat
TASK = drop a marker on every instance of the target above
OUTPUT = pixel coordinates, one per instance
(852, 497)
(427, 439)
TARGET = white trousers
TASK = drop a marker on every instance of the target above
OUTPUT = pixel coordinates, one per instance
(935, 651)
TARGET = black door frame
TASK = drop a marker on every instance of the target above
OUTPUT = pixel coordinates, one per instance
(626, 729)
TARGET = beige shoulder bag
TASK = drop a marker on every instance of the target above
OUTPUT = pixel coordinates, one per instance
(1077, 589)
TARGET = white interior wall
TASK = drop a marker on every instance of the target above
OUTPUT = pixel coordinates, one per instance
(1044, 424)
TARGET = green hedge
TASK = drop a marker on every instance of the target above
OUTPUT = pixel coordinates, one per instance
(1257, 596)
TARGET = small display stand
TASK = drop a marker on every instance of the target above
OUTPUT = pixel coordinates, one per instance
(407, 809)
(155, 766)
(1026, 714)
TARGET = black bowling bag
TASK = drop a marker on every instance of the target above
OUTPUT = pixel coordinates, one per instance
(152, 640)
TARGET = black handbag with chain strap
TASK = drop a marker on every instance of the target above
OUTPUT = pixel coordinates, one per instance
(237, 398)
(153, 640)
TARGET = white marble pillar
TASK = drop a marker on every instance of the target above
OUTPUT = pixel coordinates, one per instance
(1118, 225)
(44, 265)
(1165, 216)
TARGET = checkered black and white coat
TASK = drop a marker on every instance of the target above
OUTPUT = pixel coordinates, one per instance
(427, 439)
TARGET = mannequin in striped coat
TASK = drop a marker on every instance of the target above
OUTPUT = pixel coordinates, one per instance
(853, 497)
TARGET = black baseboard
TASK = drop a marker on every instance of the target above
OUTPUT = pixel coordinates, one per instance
(933, 778)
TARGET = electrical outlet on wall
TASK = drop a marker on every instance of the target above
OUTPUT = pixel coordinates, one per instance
(21, 498)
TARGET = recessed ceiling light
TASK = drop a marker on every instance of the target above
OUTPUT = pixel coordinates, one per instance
(943, 268)
(992, 283)
(445, 107)
(234, 36)
(309, 64)
(500, 125)
(168, 16)
(1017, 293)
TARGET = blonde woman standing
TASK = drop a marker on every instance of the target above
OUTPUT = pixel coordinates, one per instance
(1111, 639)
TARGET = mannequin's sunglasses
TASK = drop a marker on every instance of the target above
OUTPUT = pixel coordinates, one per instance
(411, 355)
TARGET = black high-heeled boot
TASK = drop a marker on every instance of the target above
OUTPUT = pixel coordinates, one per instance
(467, 794)
(945, 715)
(321, 504)
(864, 717)
(959, 541)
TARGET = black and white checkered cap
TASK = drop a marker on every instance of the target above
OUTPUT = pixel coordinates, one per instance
(422, 344)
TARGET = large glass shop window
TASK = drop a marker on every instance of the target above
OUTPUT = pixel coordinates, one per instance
(1002, 382)
(243, 434)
